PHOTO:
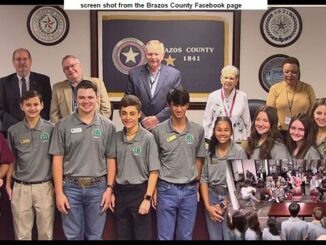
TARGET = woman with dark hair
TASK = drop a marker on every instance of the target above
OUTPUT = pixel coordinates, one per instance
(265, 141)
(291, 95)
(237, 226)
(271, 232)
(213, 185)
(254, 231)
(318, 115)
(301, 138)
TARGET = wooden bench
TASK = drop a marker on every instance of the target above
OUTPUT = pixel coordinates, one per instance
(306, 209)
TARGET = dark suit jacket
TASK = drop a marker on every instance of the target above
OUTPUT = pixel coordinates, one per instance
(10, 112)
(138, 85)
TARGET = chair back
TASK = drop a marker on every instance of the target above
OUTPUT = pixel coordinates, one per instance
(254, 104)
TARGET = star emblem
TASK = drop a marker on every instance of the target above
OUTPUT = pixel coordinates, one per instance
(169, 60)
(48, 24)
(130, 55)
(281, 25)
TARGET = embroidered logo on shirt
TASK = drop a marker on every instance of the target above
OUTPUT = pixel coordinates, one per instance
(172, 137)
(45, 136)
(25, 141)
(189, 139)
(97, 133)
(137, 150)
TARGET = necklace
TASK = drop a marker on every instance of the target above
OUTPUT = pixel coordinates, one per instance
(130, 134)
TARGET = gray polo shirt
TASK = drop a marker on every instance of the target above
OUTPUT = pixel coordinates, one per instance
(312, 154)
(214, 169)
(85, 147)
(322, 148)
(278, 152)
(178, 152)
(136, 158)
(31, 149)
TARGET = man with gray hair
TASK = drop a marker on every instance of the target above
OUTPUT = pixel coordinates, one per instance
(64, 93)
(151, 83)
(13, 87)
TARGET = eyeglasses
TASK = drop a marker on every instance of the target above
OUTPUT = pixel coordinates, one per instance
(292, 72)
(66, 68)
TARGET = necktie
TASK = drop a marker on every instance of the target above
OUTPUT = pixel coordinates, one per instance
(24, 87)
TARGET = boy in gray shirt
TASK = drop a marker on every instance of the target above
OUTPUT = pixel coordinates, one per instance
(84, 166)
(137, 172)
(32, 192)
(181, 146)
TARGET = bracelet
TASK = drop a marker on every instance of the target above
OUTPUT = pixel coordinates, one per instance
(109, 186)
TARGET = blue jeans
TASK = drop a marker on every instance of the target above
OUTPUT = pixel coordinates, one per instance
(216, 230)
(176, 209)
(84, 219)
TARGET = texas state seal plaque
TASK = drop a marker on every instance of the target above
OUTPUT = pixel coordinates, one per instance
(48, 25)
(281, 27)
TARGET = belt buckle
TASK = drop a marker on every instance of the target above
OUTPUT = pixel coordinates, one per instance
(84, 181)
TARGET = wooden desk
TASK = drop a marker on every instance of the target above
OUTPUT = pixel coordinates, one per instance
(282, 209)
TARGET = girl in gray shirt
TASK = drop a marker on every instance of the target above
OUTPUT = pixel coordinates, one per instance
(265, 141)
(301, 138)
(213, 183)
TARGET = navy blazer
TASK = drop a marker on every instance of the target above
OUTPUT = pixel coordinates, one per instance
(10, 112)
(138, 85)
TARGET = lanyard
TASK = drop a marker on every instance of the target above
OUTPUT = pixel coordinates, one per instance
(287, 96)
(232, 105)
(153, 79)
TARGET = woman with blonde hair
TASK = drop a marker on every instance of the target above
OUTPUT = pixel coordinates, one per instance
(230, 102)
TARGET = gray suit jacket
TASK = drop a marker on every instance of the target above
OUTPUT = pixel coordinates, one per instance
(155, 105)
(61, 103)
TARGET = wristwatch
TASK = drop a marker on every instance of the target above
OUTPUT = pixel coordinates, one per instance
(148, 197)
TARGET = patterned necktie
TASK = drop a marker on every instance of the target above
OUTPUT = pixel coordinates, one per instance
(24, 87)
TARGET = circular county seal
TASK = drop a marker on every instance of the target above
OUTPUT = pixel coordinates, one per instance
(281, 27)
(48, 25)
(128, 53)
(270, 71)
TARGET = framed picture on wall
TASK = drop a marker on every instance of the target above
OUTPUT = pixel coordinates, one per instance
(196, 43)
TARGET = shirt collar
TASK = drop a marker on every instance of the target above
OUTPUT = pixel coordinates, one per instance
(38, 126)
(231, 94)
(170, 128)
(149, 69)
(137, 137)
(26, 78)
(77, 120)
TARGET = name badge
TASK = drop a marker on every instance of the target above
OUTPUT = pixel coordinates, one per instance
(76, 130)
(172, 137)
(287, 120)
(25, 141)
